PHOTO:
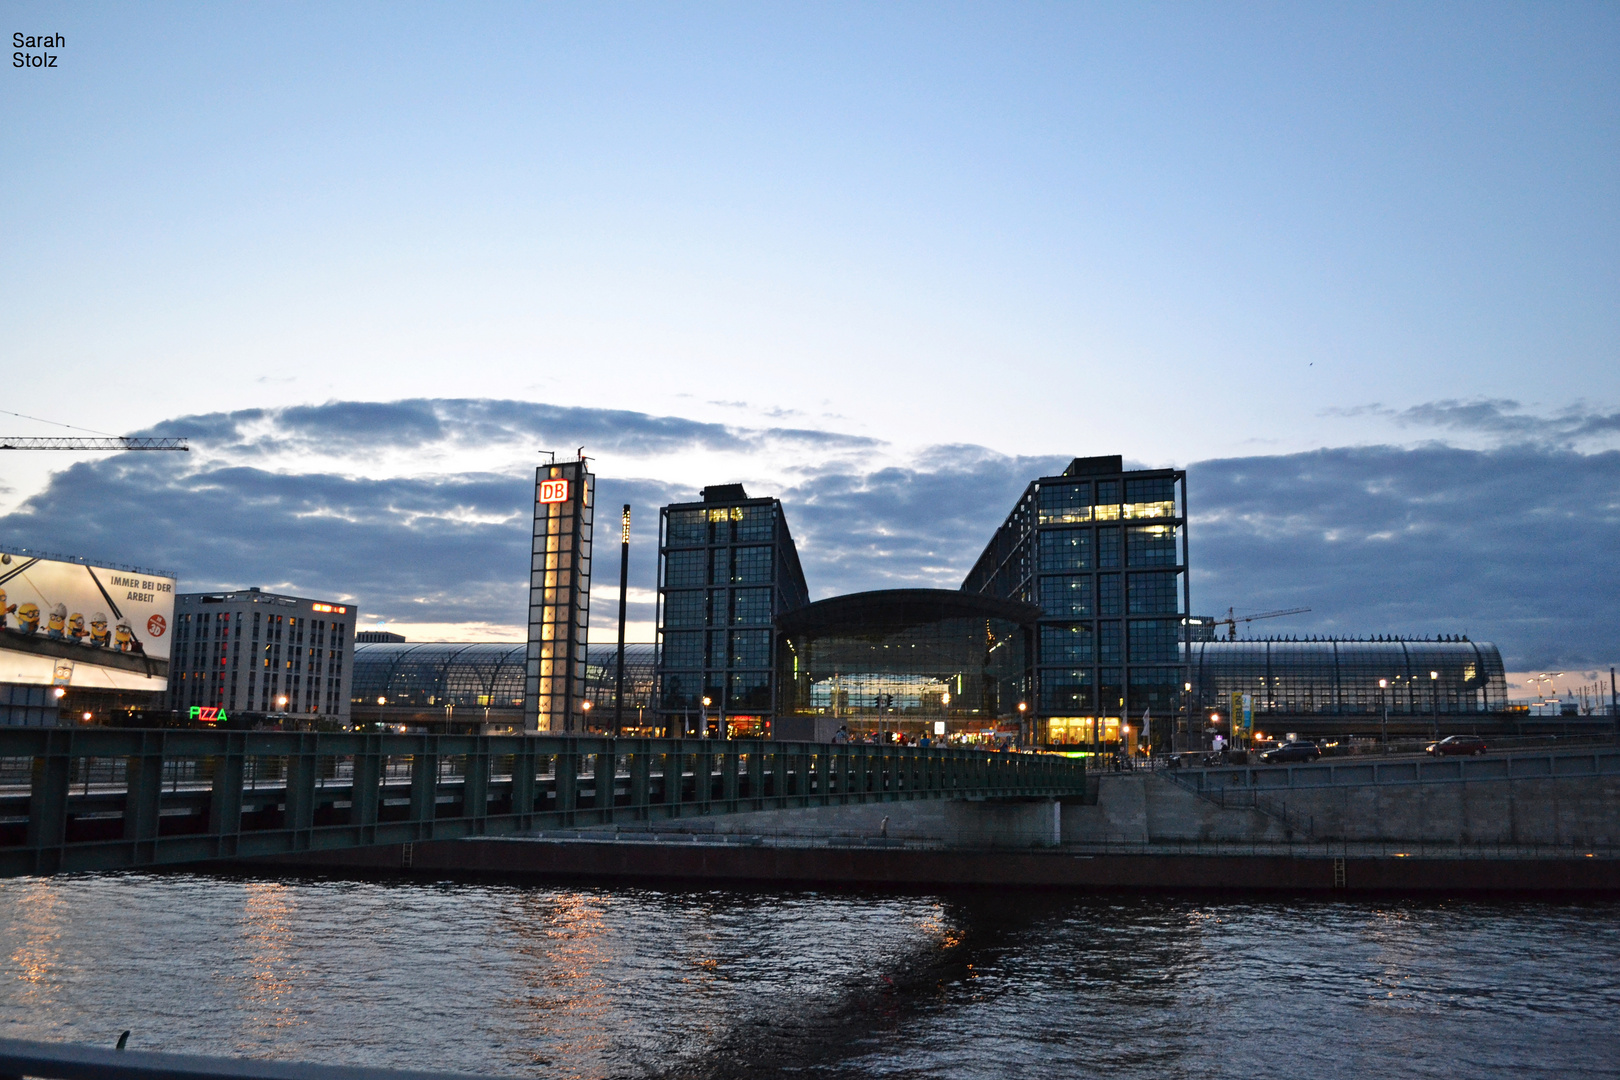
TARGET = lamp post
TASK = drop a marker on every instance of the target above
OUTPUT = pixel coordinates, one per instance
(703, 717)
(1184, 738)
(945, 711)
(1383, 699)
(624, 584)
(585, 708)
(1023, 737)
(1434, 701)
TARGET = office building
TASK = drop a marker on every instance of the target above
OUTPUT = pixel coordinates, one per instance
(258, 654)
(727, 570)
(1102, 551)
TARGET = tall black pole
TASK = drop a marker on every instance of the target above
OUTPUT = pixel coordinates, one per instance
(624, 584)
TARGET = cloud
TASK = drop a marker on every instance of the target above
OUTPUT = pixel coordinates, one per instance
(1502, 420)
(1514, 544)
(355, 426)
(442, 549)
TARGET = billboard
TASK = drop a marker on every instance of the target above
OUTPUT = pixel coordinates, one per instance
(71, 624)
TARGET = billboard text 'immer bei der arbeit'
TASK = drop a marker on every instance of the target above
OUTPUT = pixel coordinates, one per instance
(71, 624)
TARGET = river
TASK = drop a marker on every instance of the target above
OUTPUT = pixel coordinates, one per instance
(570, 982)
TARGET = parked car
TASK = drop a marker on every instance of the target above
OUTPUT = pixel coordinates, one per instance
(1299, 750)
(1458, 744)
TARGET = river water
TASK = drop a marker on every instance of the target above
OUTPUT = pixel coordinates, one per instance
(550, 981)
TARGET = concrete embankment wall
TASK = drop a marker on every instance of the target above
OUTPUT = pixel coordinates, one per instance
(1150, 808)
(606, 861)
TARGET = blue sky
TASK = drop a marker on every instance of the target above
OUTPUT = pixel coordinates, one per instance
(1191, 234)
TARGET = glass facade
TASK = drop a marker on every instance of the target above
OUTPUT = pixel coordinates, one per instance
(1103, 553)
(727, 569)
(907, 658)
(1332, 678)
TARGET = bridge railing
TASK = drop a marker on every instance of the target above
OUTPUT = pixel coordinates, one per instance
(101, 798)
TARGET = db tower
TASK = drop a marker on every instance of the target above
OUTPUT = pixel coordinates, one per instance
(559, 598)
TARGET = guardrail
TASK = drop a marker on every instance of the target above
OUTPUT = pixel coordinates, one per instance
(1359, 771)
(75, 1061)
(103, 799)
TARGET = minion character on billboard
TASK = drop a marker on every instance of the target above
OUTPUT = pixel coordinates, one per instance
(76, 629)
(28, 619)
(4, 609)
(98, 631)
(124, 638)
(57, 623)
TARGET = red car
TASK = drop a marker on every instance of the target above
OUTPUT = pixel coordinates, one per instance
(1458, 744)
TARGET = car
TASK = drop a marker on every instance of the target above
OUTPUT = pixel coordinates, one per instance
(1458, 744)
(1298, 750)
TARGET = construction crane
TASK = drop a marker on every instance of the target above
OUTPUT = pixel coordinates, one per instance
(1231, 621)
(116, 442)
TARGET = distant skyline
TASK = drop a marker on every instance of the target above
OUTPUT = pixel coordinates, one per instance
(882, 260)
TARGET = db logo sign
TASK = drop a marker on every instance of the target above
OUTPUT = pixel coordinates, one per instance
(155, 626)
(552, 491)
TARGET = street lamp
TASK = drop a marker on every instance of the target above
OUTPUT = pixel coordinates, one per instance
(1022, 737)
(705, 715)
(1383, 699)
(1434, 701)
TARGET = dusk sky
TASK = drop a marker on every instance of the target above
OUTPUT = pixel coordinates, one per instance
(1355, 267)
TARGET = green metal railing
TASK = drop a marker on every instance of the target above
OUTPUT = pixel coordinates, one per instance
(104, 799)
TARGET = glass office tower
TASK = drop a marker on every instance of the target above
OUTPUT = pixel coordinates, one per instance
(727, 567)
(1103, 552)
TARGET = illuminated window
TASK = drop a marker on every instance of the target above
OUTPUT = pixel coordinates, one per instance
(1150, 498)
(1151, 545)
(1061, 504)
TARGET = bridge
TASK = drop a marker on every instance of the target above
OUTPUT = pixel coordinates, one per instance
(108, 799)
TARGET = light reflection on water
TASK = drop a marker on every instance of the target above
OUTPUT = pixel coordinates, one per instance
(578, 983)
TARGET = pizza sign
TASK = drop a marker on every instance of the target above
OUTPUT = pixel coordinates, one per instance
(553, 491)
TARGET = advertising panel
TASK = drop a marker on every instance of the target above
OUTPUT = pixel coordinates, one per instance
(69, 624)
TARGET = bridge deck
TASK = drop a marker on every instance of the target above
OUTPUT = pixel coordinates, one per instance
(101, 799)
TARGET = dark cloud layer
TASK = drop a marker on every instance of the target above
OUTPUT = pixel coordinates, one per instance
(1501, 419)
(1515, 545)
(362, 425)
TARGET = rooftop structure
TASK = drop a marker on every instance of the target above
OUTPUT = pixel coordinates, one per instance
(479, 685)
(1343, 686)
